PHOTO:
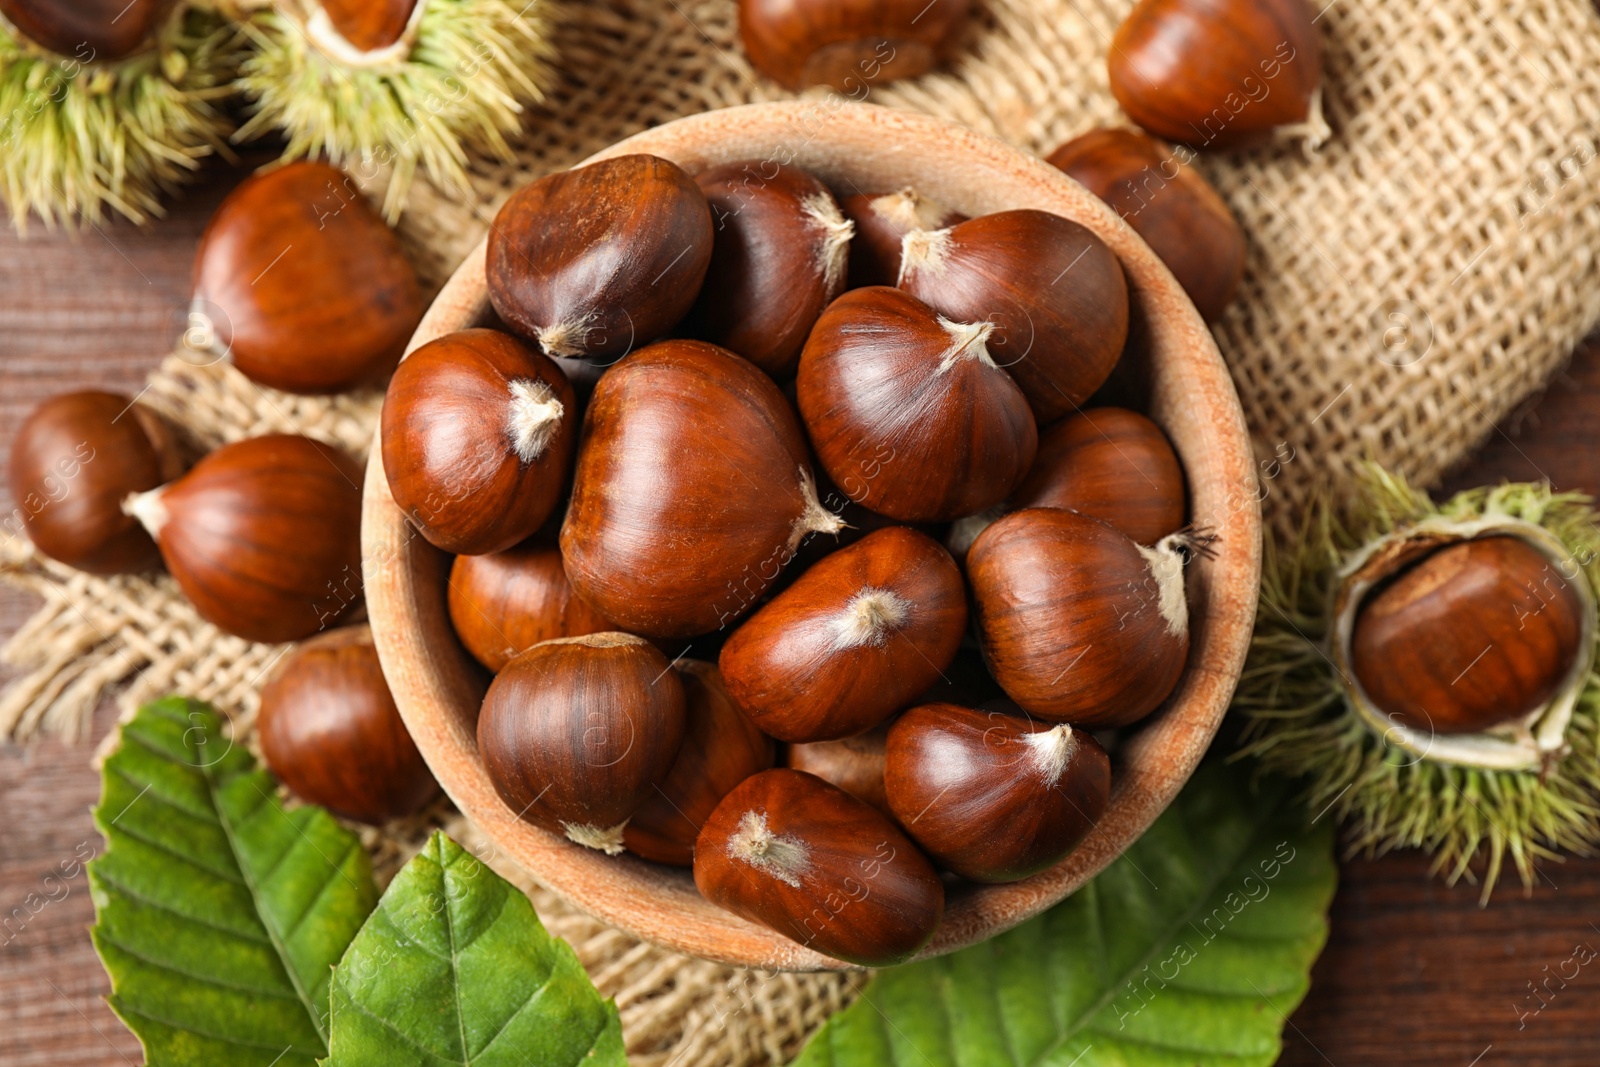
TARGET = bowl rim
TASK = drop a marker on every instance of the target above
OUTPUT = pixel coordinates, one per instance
(1192, 398)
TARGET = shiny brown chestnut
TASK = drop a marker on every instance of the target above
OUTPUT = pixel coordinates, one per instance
(721, 748)
(599, 260)
(477, 433)
(73, 462)
(89, 30)
(777, 260)
(263, 535)
(789, 851)
(693, 490)
(852, 641)
(1157, 191)
(849, 45)
(994, 797)
(1218, 73)
(1078, 622)
(1111, 464)
(369, 25)
(503, 603)
(854, 764)
(1053, 294)
(576, 732)
(330, 731)
(881, 224)
(1472, 635)
(907, 411)
(303, 282)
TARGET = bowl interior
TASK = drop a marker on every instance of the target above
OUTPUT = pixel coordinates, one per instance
(854, 148)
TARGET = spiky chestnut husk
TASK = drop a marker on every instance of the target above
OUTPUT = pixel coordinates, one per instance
(1526, 790)
(81, 139)
(456, 79)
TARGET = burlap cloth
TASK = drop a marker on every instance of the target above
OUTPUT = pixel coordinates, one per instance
(1407, 286)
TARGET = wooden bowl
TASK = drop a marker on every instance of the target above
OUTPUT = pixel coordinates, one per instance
(438, 687)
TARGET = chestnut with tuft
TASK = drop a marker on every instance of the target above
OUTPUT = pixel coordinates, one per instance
(477, 434)
(789, 851)
(855, 639)
(955, 776)
(597, 261)
(882, 222)
(1053, 294)
(693, 491)
(576, 732)
(1078, 622)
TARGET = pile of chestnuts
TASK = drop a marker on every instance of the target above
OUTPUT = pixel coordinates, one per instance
(792, 537)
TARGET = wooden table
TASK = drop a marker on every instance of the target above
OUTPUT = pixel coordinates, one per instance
(1415, 973)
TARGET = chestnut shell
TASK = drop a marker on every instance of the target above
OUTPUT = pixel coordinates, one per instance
(503, 603)
(991, 796)
(854, 640)
(599, 260)
(576, 732)
(305, 282)
(264, 536)
(450, 444)
(1074, 619)
(1191, 70)
(74, 461)
(1472, 635)
(848, 45)
(1054, 292)
(789, 851)
(1111, 464)
(907, 411)
(692, 491)
(1178, 214)
(330, 731)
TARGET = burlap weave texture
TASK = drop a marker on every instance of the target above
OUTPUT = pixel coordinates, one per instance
(1408, 285)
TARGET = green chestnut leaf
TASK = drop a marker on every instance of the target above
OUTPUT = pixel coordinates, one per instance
(1193, 947)
(454, 968)
(218, 914)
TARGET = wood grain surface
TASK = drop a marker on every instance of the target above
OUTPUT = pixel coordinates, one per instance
(1415, 973)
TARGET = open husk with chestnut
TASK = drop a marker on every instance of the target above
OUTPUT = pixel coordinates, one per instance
(1429, 668)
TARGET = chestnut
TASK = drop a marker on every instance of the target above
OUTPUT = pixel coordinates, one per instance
(693, 490)
(598, 260)
(503, 603)
(854, 764)
(907, 411)
(477, 434)
(263, 535)
(74, 460)
(778, 257)
(1110, 464)
(330, 731)
(853, 641)
(1053, 293)
(1157, 191)
(576, 732)
(1218, 73)
(721, 748)
(881, 223)
(789, 851)
(849, 45)
(304, 283)
(87, 30)
(369, 25)
(1471, 635)
(1078, 622)
(955, 776)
